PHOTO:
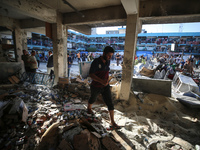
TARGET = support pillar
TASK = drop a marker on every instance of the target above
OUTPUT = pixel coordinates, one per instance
(59, 46)
(20, 37)
(129, 56)
(65, 54)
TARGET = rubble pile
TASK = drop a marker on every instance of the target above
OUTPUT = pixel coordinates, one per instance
(40, 117)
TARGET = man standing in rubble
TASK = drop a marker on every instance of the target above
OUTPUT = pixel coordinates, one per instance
(99, 72)
(25, 58)
(50, 63)
(32, 62)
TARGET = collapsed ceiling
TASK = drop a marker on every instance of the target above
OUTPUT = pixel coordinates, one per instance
(95, 13)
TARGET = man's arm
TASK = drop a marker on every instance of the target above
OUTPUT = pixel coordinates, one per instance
(97, 79)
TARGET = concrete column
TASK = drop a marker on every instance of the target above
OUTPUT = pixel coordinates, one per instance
(20, 37)
(129, 55)
(59, 46)
(65, 54)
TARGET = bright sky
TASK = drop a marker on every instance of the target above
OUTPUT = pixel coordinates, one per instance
(103, 30)
(160, 28)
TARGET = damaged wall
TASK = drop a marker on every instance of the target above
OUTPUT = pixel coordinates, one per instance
(8, 68)
(20, 43)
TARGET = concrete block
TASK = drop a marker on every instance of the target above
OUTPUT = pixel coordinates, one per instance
(84, 68)
(155, 86)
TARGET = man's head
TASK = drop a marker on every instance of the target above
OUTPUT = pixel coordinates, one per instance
(33, 53)
(108, 52)
(187, 62)
(50, 52)
(24, 52)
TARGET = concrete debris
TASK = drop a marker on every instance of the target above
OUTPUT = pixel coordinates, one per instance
(37, 117)
(108, 143)
(53, 118)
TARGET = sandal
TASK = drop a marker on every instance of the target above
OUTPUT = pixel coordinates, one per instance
(115, 126)
(89, 111)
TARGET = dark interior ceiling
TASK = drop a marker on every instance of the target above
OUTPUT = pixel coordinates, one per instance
(99, 13)
(3, 29)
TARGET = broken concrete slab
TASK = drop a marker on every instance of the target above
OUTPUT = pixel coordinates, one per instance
(49, 138)
(86, 140)
(155, 86)
(124, 144)
(109, 143)
(64, 145)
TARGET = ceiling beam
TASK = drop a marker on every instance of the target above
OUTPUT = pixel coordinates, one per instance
(32, 8)
(96, 16)
(131, 6)
(31, 23)
(170, 19)
(85, 29)
(8, 22)
(40, 30)
(149, 8)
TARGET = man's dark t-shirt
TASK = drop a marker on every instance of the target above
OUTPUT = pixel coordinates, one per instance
(69, 62)
(101, 70)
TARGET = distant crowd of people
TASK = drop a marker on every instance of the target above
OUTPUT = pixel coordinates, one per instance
(32, 60)
(176, 62)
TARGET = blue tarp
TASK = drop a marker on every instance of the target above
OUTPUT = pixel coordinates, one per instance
(144, 53)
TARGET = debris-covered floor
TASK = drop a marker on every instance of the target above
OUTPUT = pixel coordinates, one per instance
(38, 117)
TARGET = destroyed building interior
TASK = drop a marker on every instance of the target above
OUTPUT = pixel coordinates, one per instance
(51, 113)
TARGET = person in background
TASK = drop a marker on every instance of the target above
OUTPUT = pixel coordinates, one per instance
(69, 60)
(118, 57)
(197, 63)
(182, 63)
(79, 57)
(99, 72)
(143, 60)
(188, 67)
(90, 57)
(50, 63)
(167, 59)
(37, 58)
(161, 60)
(83, 57)
(33, 66)
(136, 60)
(178, 60)
(171, 60)
(191, 59)
(25, 57)
(32, 62)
